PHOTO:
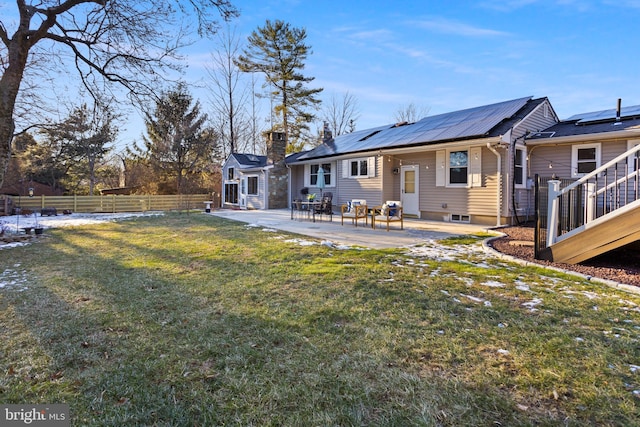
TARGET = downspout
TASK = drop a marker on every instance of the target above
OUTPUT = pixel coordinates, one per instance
(499, 192)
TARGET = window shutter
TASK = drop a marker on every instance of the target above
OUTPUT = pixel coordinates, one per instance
(441, 168)
(345, 168)
(371, 167)
(307, 175)
(475, 166)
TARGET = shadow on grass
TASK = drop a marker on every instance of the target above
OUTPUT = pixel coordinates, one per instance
(203, 322)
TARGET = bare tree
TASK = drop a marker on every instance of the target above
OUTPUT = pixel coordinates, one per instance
(411, 113)
(341, 113)
(108, 41)
(228, 95)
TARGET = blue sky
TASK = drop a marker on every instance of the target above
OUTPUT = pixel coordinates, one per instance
(446, 56)
(450, 55)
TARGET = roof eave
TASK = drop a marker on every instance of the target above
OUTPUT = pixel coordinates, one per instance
(421, 147)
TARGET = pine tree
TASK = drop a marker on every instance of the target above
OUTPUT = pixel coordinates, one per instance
(278, 51)
(178, 143)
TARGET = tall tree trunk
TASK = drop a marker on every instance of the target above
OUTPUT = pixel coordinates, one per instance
(18, 51)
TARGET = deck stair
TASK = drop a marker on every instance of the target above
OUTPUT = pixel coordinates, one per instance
(596, 214)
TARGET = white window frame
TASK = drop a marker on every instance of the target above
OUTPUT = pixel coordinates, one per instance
(332, 174)
(369, 161)
(574, 157)
(257, 178)
(474, 168)
(468, 166)
(523, 173)
(231, 174)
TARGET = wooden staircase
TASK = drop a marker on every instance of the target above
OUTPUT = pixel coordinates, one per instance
(599, 237)
(596, 214)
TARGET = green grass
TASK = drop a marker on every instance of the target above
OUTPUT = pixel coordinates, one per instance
(188, 320)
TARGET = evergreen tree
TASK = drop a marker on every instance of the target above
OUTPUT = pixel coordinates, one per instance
(178, 145)
(278, 51)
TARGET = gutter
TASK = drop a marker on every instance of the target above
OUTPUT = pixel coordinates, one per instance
(499, 192)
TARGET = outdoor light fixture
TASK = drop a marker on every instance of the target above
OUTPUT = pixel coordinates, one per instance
(30, 191)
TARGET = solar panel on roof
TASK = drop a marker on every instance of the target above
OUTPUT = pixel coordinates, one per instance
(603, 115)
(467, 123)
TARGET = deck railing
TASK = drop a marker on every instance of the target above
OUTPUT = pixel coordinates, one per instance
(611, 187)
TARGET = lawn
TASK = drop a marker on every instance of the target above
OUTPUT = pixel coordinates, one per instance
(193, 320)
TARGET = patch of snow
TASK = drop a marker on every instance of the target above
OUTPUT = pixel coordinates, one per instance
(493, 284)
(531, 305)
(16, 222)
(472, 298)
(301, 242)
(14, 279)
(467, 281)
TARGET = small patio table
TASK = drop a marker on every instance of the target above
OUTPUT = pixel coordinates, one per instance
(310, 208)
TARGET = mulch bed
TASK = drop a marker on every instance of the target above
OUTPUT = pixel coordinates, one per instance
(621, 265)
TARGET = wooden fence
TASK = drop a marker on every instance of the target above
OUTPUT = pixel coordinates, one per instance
(113, 203)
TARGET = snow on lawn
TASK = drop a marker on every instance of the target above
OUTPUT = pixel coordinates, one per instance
(15, 223)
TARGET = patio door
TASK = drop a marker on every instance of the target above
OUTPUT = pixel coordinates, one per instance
(409, 188)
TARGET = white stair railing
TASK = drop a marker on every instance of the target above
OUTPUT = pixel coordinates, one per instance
(600, 193)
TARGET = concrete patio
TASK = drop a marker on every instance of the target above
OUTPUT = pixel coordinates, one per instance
(415, 231)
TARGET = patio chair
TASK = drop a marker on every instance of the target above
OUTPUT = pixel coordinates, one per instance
(355, 210)
(389, 212)
(325, 207)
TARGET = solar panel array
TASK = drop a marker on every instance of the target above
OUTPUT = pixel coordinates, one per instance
(467, 123)
(605, 115)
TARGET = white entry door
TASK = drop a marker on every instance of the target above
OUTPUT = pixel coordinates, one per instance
(243, 192)
(409, 188)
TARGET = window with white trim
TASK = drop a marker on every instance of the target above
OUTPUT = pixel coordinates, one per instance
(359, 168)
(230, 173)
(252, 185)
(458, 167)
(585, 158)
(520, 167)
(313, 174)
